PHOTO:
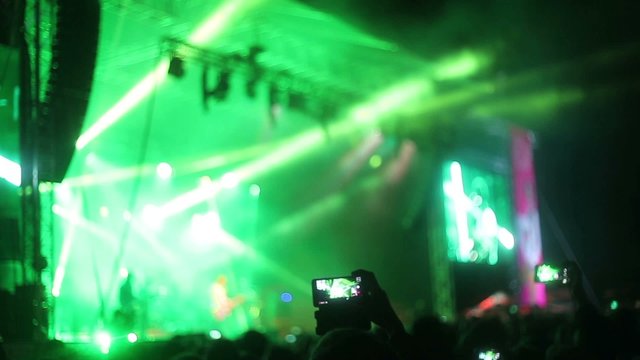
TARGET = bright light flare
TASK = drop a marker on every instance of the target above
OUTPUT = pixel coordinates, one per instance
(10, 171)
(230, 180)
(152, 217)
(103, 340)
(164, 171)
(128, 101)
(547, 273)
(58, 276)
(506, 238)
(104, 211)
(462, 65)
(132, 337)
(205, 227)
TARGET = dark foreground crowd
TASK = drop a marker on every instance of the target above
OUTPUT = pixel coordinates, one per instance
(585, 333)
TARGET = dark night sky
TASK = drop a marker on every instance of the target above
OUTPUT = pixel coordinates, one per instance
(587, 154)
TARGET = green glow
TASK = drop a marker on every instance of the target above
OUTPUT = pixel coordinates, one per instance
(207, 31)
(223, 238)
(506, 238)
(547, 273)
(229, 180)
(132, 337)
(10, 171)
(110, 176)
(375, 161)
(477, 214)
(489, 355)
(103, 340)
(242, 248)
(152, 217)
(533, 104)
(213, 25)
(164, 171)
(81, 223)
(322, 207)
(460, 205)
(206, 190)
(58, 277)
(459, 66)
(217, 161)
(132, 98)
(184, 168)
(614, 305)
(205, 228)
(215, 334)
(387, 101)
(364, 114)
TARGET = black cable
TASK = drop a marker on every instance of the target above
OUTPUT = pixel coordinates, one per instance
(136, 185)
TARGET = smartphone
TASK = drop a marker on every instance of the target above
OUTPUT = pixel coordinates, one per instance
(336, 289)
(550, 274)
(489, 354)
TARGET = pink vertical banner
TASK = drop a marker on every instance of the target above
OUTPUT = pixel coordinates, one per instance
(529, 242)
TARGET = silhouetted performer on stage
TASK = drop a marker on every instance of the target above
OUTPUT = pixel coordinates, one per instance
(125, 316)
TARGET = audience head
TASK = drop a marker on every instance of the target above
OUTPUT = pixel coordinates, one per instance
(222, 349)
(350, 344)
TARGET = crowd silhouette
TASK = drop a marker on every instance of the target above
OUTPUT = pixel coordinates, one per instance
(584, 333)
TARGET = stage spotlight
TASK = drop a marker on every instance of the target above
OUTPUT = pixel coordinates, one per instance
(176, 67)
(132, 337)
(103, 340)
(375, 161)
(164, 171)
(286, 297)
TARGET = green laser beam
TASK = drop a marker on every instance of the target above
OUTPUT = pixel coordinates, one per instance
(360, 116)
(209, 29)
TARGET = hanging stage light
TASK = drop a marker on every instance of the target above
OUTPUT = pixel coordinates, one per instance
(254, 71)
(297, 101)
(221, 89)
(176, 66)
